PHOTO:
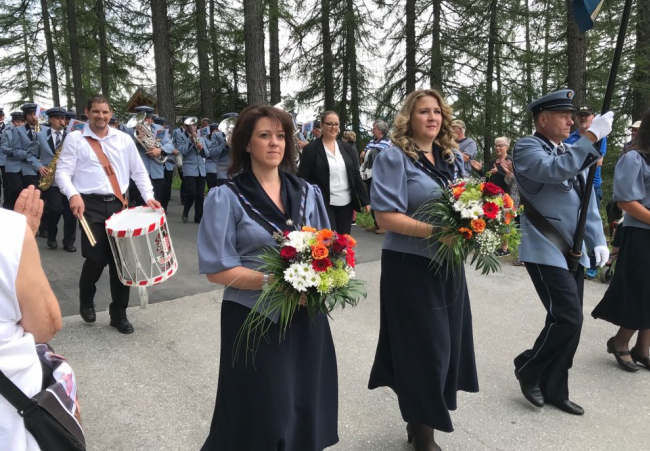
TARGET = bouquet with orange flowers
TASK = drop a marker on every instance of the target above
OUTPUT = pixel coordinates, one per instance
(311, 269)
(474, 217)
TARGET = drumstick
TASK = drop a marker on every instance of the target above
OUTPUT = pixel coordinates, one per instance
(89, 233)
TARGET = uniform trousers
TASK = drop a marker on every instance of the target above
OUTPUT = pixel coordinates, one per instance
(195, 188)
(2, 176)
(135, 197)
(15, 183)
(3, 183)
(97, 211)
(211, 179)
(167, 189)
(551, 357)
(57, 205)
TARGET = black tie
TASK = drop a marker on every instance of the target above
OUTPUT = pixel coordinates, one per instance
(30, 134)
(57, 139)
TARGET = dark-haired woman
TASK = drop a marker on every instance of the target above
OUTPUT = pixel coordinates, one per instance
(627, 300)
(426, 349)
(286, 395)
(333, 166)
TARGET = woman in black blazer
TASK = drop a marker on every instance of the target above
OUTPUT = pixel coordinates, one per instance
(333, 166)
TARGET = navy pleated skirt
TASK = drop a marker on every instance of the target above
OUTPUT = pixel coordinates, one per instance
(287, 400)
(426, 347)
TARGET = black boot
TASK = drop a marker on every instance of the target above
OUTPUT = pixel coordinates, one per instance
(422, 437)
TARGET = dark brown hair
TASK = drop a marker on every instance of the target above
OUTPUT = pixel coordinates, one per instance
(97, 98)
(642, 140)
(241, 136)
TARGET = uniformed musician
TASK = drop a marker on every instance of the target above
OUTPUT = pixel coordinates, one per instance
(192, 147)
(170, 164)
(69, 115)
(46, 144)
(551, 182)
(17, 120)
(216, 152)
(2, 155)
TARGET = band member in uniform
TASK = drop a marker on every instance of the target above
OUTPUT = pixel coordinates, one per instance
(551, 182)
(17, 120)
(154, 168)
(2, 120)
(3, 157)
(170, 164)
(192, 148)
(114, 123)
(46, 144)
(216, 148)
(82, 179)
(19, 169)
(70, 114)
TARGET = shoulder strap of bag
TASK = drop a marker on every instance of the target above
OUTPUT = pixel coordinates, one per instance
(108, 169)
(14, 395)
(544, 227)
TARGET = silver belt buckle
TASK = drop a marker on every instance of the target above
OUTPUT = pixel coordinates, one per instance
(109, 198)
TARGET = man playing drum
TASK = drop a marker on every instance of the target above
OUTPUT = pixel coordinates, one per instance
(84, 181)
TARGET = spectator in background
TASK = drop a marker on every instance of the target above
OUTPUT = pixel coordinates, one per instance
(350, 137)
(499, 168)
(379, 142)
(316, 131)
(205, 122)
(584, 117)
(467, 146)
(634, 128)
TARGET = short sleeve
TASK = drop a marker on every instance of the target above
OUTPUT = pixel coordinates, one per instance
(317, 217)
(217, 240)
(388, 191)
(629, 183)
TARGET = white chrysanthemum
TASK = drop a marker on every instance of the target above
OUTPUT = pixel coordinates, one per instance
(299, 240)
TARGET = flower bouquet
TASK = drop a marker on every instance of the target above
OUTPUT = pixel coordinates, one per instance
(472, 217)
(311, 269)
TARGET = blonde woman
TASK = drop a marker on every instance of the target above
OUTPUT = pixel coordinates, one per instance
(425, 351)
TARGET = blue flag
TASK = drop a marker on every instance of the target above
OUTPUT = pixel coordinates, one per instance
(585, 12)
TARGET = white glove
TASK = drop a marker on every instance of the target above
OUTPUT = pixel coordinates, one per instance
(602, 255)
(602, 125)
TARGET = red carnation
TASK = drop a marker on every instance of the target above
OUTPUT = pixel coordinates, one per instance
(490, 209)
(340, 244)
(492, 190)
(288, 252)
(285, 233)
(349, 258)
(321, 265)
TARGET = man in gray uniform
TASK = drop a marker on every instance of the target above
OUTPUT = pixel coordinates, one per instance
(466, 146)
(551, 183)
(17, 120)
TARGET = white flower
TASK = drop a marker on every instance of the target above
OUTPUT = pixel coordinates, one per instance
(289, 222)
(298, 240)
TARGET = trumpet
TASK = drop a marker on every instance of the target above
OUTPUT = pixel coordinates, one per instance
(192, 121)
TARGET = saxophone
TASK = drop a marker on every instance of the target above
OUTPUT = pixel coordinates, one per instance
(45, 182)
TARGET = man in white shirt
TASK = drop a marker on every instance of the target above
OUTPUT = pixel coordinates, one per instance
(82, 179)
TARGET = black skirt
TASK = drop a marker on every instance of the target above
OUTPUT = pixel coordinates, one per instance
(288, 400)
(627, 300)
(426, 348)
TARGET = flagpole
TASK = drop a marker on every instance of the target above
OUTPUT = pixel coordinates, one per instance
(576, 252)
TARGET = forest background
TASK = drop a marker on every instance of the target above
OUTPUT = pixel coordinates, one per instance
(489, 58)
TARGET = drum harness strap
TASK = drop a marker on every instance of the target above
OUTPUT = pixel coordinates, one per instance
(108, 169)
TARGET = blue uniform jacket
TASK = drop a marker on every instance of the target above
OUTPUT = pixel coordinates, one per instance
(193, 161)
(16, 149)
(545, 179)
(156, 171)
(43, 145)
(216, 148)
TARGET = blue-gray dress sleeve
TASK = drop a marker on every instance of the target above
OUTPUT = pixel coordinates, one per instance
(317, 217)
(388, 192)
(217, 240)
(629, 184)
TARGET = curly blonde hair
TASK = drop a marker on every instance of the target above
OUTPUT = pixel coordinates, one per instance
(401, 135)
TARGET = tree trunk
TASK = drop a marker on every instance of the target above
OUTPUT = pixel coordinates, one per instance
(254, 51)
(54, 80)
(577, 58)
(274, 52)
(28, 64)
(435, 73)
(215, 52)
(641, 83)
(528, 124)
(489, 100)
(74, 57)
(499, 106)
(103, 50)
(343, 105)
(351, 51)
(328, 60)
(64, 54)
(163, 60)
(235, 81)
(547, 38)
(207, 102)
(410, 46)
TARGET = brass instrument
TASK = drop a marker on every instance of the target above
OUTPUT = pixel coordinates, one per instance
(86, 229)
(192, 121)
(45, 182)
(144, 136)
(227, 126)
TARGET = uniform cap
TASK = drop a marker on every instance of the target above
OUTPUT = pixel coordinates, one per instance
(17, 115)
(56, 112)
(72, 114)
(112, 120)
(637, 124)
(29, 108)
(585, 109)
(555, 101)
(144, 109)
(214, 126)
(159, 120)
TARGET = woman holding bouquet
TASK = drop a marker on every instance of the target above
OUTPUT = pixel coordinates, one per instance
(425, 351)
(284, 394)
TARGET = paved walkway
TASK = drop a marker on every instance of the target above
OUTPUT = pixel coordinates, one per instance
(155, 389)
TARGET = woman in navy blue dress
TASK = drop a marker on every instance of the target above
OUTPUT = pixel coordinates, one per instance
(426, 350)
(285, 397)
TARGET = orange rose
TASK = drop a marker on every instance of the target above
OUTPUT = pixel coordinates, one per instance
(308, 229)
(467, 233)
(458, 191)
(507, 201)
(319, 251)
(324, 235)
(478, 225)
(508, 217)
(352, 242)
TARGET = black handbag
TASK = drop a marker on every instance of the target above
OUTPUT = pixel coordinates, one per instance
(52, 426)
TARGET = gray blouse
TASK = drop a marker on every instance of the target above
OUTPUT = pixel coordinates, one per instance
(399, 186)
(632, 183)
(229, 237)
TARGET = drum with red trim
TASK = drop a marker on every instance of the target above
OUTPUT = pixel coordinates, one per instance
(142, 246)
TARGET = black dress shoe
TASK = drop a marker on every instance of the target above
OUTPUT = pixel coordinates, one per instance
(122, 325)
(531, 392)
(70, 248)
(568, 407)
(88, 313)
(52, 244)
(627, 365)
(184, 218)
(645, 361)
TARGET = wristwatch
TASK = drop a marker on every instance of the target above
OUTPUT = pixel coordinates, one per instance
(265, 281)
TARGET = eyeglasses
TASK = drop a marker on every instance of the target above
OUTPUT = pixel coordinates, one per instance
(501, 145)
(331, 124)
